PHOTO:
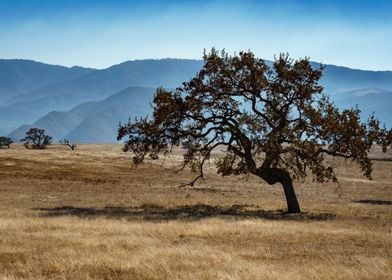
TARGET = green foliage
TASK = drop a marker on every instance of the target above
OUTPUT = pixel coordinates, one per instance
(36, 139)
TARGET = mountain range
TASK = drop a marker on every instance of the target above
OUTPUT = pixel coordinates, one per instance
(86, 105)
(19, 76)
(95, 121)
(369, 101)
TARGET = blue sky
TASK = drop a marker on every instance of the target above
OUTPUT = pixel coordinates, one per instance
(99, 33)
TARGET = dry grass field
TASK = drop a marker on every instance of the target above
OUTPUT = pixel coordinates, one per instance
(87, 214)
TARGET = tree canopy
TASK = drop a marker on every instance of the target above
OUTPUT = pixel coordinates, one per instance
(36, 139)
(273, 121)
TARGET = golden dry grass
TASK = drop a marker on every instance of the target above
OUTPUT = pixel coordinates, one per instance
(87, 214)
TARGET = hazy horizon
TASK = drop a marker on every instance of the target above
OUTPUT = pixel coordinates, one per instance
(171, 58)
(98, 34)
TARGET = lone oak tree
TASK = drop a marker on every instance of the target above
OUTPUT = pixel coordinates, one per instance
(272, 121)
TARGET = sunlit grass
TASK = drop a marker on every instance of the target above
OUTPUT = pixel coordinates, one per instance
(87, 214)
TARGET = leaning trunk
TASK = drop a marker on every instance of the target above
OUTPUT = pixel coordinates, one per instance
(291, 197)
(276, 175)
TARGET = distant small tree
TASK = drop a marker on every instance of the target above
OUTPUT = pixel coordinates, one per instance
(5, 141)
(272, 122)
(67, 143)
(36, 139)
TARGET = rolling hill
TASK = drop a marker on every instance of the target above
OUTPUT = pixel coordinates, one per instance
(97, 85)
(336, 79)
(19, 76)
(100, 84)
(94, 122)
(368, 100)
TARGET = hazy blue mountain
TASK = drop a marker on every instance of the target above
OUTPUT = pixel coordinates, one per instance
(368, 100)
(102, 83)
(62, 96)
(19, 76)
(27, 112)
(338, 79)
(94, 122)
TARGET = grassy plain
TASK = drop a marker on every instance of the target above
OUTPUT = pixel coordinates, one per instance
(87, 214)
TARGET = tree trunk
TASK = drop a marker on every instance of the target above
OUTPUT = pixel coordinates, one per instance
(276, 175)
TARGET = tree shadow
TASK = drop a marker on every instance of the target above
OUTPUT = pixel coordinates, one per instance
(374, 201)
(152, 212)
